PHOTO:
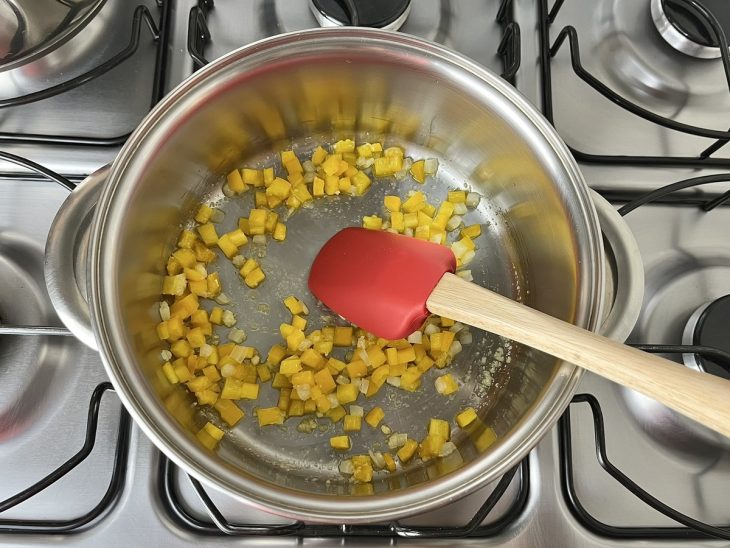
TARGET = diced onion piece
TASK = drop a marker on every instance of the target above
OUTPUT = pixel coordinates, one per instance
(397, 440)
(364, 385)
(458, 326)
(164, 311)
(357, 411)
(166, 355)
(460, 209)
(222, 298)
(465, 275)
(393, 381)
(255, 360)
(308, 166)
(228, 370)
(217, 216)
(415, 338)
(385, 429)
(229, 320)
(447, 448)
(472, 199)
(227, 190)
(453, 223)
(357, 382)
(341, 379)
(377, 459)
(304, 391)
(465, 337)
(431, 328)
(455, 348)
(306, 343)
(238, 261)
(236, 335)
(309, 178)
(206, 350)
(332, 398)
(346, 467)
(259, 239)
(408, 232)
(468, 257)
(430, 166)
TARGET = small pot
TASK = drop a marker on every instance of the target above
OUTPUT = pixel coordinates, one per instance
(543, 246)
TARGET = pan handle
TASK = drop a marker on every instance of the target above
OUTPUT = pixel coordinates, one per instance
(66, 258)
(624, 283)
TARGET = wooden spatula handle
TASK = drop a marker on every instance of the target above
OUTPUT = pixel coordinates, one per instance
(699, 396)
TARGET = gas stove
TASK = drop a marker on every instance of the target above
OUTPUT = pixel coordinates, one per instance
(640, 91)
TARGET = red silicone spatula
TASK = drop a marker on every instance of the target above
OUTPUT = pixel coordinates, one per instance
(388, 284)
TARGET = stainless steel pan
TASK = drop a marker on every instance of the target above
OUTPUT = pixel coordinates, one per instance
(542, 245)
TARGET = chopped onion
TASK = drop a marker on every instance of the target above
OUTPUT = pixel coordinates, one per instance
(455, 348)
(472, 199)
(357, 382)
(256, 360)
(465, 337)
(453, 223)
(357, 411)
(458, 326)
(228, 370)
(341, 379)
(385, 429)
(309, 177)
(259, 239)
(205, 350)
(304, 391)
(332, 398)
(236, 335)
(446, 449)
(346, 467)
(397, 440)
(435, 239)
(308, 166)
(460, 209)
(238, 260)
(217, 216)
(306, 343)
(166, 355)
(431, 328)
(467, 257)
(393, 381)
(377, 459)
(227, 191)
(228, 319)
(430, 165)
(222, 298)
(415, 338)
(364, 385)
(465, 275)
(164, 311)
(408, 232)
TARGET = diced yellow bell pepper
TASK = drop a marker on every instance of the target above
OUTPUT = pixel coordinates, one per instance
(325, 381)
(372, 222)
(253, 177)
(485, 439)
(389, 462)
(374, 416)
(319, 155)
(418, 171)
(301, 193)
(341, 443)
(170, 374)
(343, 336)
(312, 358)
(446, 385)
(296, 408)
(397, 221)
(290, 366)
(276, 354)
(203, 214)
(332, 185)
(318, 187)
(185, 307)
(268, 175)
(439, 427)
(471, 231)
(279, 232)
(336, 413)
(352, 423)
(414, 203)
(290, 162)
(346, 393)
(270, 415)
(261, 199)
(392, 203)
(187, 239)
(229, 411)
(466, 417)
(361, 182)
(357, 369)
(227, 246)
(279, 188)
(181, 349)
(457, 196)
(430, 447)
(406, 452)
(344, 185)
(235, 182)
(249, 266)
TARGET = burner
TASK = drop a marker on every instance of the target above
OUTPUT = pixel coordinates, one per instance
(681, 24)
(379, 14)
(708, 325)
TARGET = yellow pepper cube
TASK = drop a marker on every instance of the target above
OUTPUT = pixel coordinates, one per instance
(374, 416)
(471, 231)
(284, 399)
(276, 354)
(422, 233)
(485, 440)
(271, 220)
(294, 305)
(312, 358)
(257, 221)
(301, 193)
(280, 381)
(163, 331)
(261, 199)
(212, 430)
(202, 253)
(331, 185)
(296, 408)
(406, 355)
(397, 221)
(175, 328)
(229, 411)
(181, 370)
(268, 175)
(273, 202)
(298, 322)
(310, 406)
(303, 377)
(376, 356)
(203, 214)
(352, 423)
(389, 462)
(335, 366)
(193, 275)
(365, 150)
(392, 203)
(372, 222)
(195, 337)
(170, 374)
(346, 145)
(290, 366)
(361, 182)
(294, 339)
(270, 415)
(457, 196)
(343, 336)
(228, 248)
(185, 257)
(235, 182)
(279, 232)
(319, 155)
(198, 384)
(187, 239)
(341, 443)
(466, 417)
(279, 188)
(430, 447)
(406, 452)
(263, 373)
(290, 162)
(424, 364)
(414, 203)
(323, 404)
(346, 393)
(446, 385)
(410, 380)
(357, 369)
(212, 373)
(208, 233)
(185, 307)
(249, 266)
(216, 315)
(423, 219)
(336, 413)
(397, 370)
(253, 177)
(410, 220)
(318, 187)
(331, 165)
(380, 374)
(418, 171)
(323, 347)
(439, 427)
(344, 185)
(237, 237)
(173, 267)
(325, 381)
(249, 391)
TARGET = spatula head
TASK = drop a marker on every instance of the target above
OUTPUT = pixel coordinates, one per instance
(379, 281)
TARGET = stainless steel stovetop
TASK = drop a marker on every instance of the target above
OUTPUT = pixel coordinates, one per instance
(53, 402)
